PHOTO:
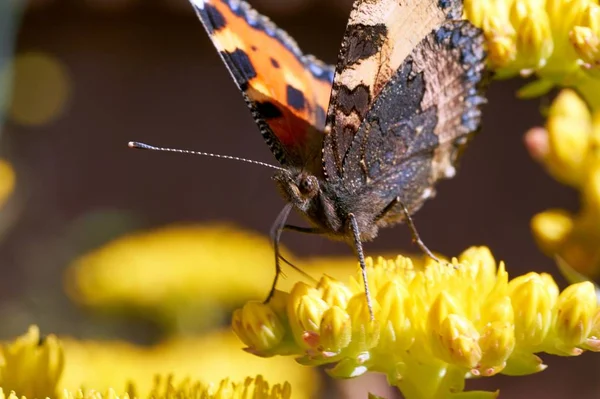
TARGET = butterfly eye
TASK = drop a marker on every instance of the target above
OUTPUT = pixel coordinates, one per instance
(308, 185)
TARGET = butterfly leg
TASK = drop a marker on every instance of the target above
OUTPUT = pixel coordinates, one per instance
(276, 231)
(361, 259)
(414, 233)
(278, 227)
(411, 226)
(305, 230)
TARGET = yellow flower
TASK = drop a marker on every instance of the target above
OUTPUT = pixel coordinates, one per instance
(255, 388)
(41, 87)
(7, 181)
(175, 273)
(435, 325)
(558, 40)
(32, 367)
(569, 131)
(210, 358)
(569, 149)
(586, 37)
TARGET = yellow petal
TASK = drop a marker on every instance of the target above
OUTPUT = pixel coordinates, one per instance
(305, 310)
(576, 308)
(258, 326)
(532, 301)
(32, 365)
(551, 229)
(569, 133)
(335, 332)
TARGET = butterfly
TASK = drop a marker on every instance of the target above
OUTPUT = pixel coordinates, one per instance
(362, 143)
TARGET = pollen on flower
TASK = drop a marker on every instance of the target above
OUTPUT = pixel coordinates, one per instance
(435, 324)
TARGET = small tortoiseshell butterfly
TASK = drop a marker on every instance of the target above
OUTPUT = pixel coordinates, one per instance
(362, 144)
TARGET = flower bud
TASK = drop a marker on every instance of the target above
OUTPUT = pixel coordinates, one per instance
(575, 310)
(336, 330)
(258, 327)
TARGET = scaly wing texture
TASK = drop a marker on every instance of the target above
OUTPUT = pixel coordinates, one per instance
(379, 37)
(286, 91)
(414, 132)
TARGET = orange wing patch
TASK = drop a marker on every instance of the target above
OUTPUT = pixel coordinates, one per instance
(285, 89)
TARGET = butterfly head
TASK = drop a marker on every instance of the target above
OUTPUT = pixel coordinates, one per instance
(298, 187)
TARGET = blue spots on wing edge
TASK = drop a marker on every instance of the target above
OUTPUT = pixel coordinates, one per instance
(468, 40)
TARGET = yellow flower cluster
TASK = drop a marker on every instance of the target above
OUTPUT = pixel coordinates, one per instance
(433, 326)
(559, 40)
(174, 273)
(569, 148)
(251, 388)
(210, 358)
(32, 367)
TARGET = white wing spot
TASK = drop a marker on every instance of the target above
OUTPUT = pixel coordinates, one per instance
(198, 3)
(450, 172)
(428, 193)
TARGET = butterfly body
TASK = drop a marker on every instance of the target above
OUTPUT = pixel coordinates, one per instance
(387, 162)
(363, 143)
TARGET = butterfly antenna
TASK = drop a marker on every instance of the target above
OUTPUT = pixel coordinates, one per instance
(143, 146)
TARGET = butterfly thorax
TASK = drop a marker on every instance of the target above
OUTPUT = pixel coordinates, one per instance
(325, 206)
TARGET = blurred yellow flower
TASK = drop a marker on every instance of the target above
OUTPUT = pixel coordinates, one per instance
(175, 273)
(434, 325)
(569, 148)
(210, 358)
(41, 87)
(32, 367)
(558, 40)
(7, 181)
(251, 388)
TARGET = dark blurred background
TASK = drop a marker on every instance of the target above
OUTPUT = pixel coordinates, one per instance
(103, 72)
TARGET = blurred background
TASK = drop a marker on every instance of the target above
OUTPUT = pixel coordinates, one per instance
(79, 79)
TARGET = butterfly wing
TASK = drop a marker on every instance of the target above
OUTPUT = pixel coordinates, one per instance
(286, 91)
(405, 98)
